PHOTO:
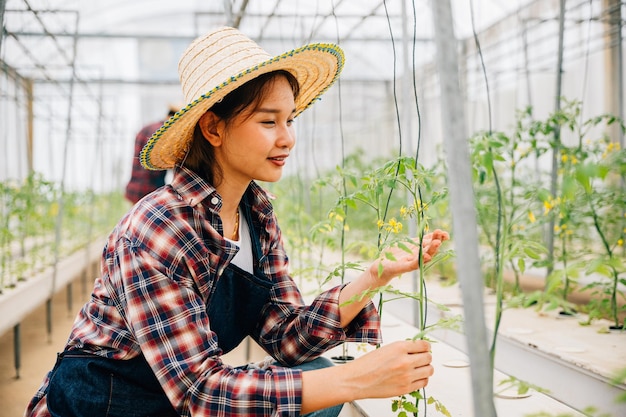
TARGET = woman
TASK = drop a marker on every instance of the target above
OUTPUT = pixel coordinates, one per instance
(198, 265)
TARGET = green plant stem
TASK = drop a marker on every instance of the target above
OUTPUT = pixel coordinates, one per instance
(607, 247)
(499, 274)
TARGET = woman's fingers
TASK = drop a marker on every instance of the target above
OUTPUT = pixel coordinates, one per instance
(396, 369)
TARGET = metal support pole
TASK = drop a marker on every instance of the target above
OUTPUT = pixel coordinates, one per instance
(61, 200)
(69, 291)
(17, 350)
(556, 149)
(3, 5)
(30, 121)
(463, 209)
(613, 59)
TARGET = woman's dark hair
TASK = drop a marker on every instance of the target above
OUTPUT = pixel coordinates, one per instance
(201, 155)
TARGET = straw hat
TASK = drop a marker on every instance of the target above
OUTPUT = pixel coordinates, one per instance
(218, 63)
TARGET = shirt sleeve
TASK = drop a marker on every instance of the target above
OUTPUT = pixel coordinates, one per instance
(169, 320)
(295, 333)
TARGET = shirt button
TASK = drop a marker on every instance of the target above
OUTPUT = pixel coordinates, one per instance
(215, 200)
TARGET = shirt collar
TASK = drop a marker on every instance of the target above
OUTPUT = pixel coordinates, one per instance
(193, 189)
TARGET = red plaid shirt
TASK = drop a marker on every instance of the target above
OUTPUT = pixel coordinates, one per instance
(143, 181)
(159, 266)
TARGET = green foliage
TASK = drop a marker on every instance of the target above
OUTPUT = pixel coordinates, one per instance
(584, 215)
(569, 220)
(620, 378)
(31, 210)
(405, 406)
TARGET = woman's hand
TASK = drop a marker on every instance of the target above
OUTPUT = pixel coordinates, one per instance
(402, 261)
(394, 369)
(369, 280)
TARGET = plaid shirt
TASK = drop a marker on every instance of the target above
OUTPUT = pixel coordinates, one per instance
(143, 181)
(159, 267)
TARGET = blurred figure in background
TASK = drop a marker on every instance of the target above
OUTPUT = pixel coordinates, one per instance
(143, 181)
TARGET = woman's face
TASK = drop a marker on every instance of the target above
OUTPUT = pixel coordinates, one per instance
(255, 145)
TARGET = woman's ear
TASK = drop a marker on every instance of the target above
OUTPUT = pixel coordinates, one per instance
(210, 125)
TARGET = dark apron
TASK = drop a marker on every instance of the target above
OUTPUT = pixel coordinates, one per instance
(83, 384)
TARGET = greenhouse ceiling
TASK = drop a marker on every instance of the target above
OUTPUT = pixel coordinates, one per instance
(53, 39)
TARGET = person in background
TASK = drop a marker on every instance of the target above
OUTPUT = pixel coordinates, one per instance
(199, 264)
(144, 181)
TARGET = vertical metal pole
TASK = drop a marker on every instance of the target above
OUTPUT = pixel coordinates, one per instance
(3, 5)
(407, 126)
(30, 118)
(463, 209)
(49, 318)
(59, 221)
(70, 297)
(17, 350)
(556, 149)
(614, 79)
(228, 11)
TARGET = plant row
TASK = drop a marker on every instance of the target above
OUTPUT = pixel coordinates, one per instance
(42, 222)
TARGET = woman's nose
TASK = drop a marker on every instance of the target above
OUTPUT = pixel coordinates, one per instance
(286, 137)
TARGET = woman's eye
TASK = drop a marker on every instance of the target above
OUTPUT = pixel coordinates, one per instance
(268, 122)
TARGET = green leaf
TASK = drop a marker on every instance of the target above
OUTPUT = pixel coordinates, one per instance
(390, 256)
(410, 407)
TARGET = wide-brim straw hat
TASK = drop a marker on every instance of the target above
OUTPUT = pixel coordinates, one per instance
(218, 63)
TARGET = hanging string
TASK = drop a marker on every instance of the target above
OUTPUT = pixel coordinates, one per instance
(395, 102)
(344, 190)
(424, 298)
(417, 105)
(418, 113)
(498, 266)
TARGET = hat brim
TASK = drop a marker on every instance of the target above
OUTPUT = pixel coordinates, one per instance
(315, 66)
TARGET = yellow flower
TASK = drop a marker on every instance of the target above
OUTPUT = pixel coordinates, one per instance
(620, 242)
(380, 224)
(403, 211)
(395, 226)
(531, 217)
(564, 158)
(547, 205)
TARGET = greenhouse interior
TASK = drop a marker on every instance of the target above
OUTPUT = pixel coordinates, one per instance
(495, 128)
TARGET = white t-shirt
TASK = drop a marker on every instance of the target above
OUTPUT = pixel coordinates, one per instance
(243, 258)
